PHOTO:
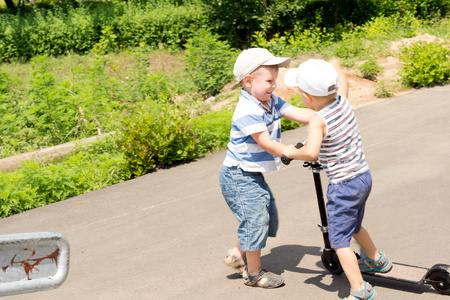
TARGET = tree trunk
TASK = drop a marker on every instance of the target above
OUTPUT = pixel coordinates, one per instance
(10, 4)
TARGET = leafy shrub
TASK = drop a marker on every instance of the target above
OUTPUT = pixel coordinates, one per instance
(44, 117)
(107, 42)
(424, 9)
(209, 61)
(59, 30)
(379, 28)
(351, 46)
(213, 130)
(288, 124)
(312, 39)
(236, 27)
(164, 25)
(425, 64)
(277, 17)
(9, 39)
(155, 136)
(4, 83)
(381, 91)
(75, 97)
(145, 84)
(277, 45)
(281, 16)
(369, 69)
(81, 34)
(36, 184)
(50, 113)
(295, 41)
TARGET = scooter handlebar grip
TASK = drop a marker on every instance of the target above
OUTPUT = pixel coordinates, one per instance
(286, 160)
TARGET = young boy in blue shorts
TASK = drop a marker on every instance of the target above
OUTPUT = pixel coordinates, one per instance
(255, 147)
(334, 139)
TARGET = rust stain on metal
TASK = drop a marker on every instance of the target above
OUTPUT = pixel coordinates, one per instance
(31, 263)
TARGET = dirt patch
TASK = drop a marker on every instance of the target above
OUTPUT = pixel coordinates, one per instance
(362, 91)
(395, 46)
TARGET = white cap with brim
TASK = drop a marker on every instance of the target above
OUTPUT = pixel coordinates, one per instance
(251, 59)
(315, 77)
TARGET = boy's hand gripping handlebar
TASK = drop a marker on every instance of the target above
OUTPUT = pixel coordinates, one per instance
(286, 160)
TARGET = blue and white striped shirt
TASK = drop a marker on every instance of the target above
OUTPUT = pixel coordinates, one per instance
(251, 116)
(341, 153)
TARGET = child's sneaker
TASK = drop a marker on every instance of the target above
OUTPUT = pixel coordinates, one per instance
(263, 279)
(382, 264)
(367, 293)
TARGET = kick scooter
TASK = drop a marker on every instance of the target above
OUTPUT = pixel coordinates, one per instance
(437, 276)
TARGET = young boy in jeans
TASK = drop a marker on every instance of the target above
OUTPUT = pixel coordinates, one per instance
(334, 139)
(255, 147)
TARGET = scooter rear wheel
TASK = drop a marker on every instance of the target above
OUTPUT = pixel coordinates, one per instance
(440, 281)
(331, 263)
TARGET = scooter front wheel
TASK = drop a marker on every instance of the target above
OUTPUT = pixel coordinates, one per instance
(331, 262)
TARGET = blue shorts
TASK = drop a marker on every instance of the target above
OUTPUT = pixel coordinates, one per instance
(345, 208)
(252, 203)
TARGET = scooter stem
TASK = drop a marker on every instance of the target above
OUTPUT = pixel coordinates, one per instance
(316, 167)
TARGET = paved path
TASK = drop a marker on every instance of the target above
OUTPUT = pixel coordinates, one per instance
(163, 235)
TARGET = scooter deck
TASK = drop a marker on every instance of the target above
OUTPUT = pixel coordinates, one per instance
(402, 272)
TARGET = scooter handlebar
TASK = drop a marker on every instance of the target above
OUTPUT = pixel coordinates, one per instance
(286, 160)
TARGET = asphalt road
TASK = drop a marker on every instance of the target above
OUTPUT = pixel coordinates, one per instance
(164, 235)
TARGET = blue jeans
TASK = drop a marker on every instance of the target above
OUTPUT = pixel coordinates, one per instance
(345, 208)
(252, 203)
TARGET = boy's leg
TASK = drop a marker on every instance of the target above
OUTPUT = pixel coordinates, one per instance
(253, 262)
(359, 289)
(255, 275)
(349, 264)
(375, 261)
(364, 240)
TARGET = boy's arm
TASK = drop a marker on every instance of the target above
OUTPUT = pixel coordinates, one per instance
(297, 114)
(264, 140)
(343, 82)
(309, 152)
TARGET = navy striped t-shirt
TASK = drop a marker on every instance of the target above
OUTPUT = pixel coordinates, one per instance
(341, 152)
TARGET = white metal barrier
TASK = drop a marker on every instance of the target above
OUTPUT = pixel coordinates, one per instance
(33, 262)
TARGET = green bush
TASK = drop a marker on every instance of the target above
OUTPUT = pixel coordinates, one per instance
(164, 25)
(288, 124)
(379, 28)
(276, 17)
(236, 27)
(314, 39)
(213, 130)
(424, 9)
(66, 99)
(351, 46)
(425, 64)
(209, 61)
(9, 39)
(58, 30)
(369, 69)
(157, 135)
(381, 91)
(90, 167)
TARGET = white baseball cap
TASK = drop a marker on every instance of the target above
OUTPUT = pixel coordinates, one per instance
(315, 77)
(251, 59)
